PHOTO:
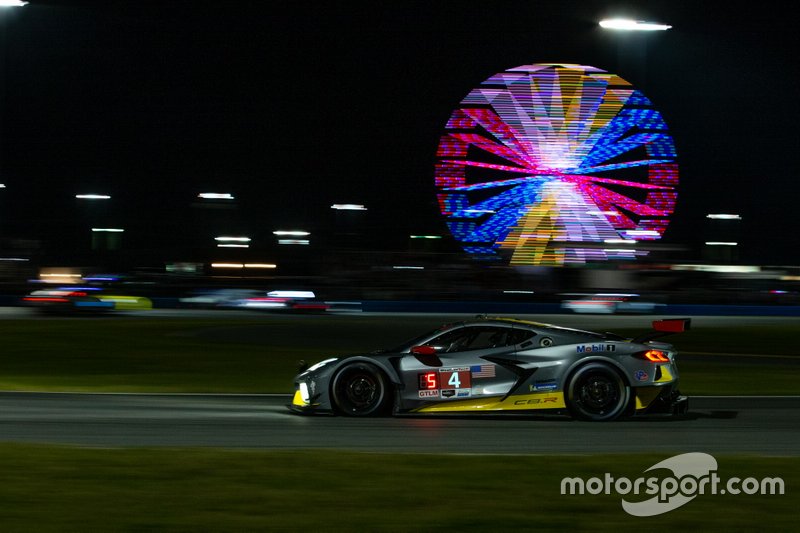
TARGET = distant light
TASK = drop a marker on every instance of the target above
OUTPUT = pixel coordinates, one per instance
(403, 267)
(13, 259)
(632, 25)
(291, 233)
(233, 245)
(2, 186)
(291, 294)
(227, 265)
(215, 195)
(723, 216)
(109, 230)
(642, 232)
(12, 3)
(92, 197)
(294, 241)
(425, 236)
(232, 239)
(518, 292)
(260, 265)
(721, 243)
(619, 241)
(745, 269)
(349, 207)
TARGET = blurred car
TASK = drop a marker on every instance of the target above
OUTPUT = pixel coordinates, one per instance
(83, 300)
(277, 300)
(497, 364)
(286, 300)
(214, 298)
(610, 303)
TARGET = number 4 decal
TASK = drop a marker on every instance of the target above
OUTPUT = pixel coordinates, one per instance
(454, 381)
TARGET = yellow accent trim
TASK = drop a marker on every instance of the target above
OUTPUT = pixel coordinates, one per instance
(298, 400)
(666, 375)
(645, 396)
(539, 400)
(127, 302)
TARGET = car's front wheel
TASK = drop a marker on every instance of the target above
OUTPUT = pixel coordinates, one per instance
(360, 389)
(597, 392)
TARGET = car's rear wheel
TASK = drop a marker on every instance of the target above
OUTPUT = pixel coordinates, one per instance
(597, 392)
(360, 389)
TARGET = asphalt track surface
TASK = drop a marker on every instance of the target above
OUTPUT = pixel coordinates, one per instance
(764, 426)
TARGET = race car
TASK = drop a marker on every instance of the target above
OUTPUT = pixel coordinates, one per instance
(83, 300)
(610, 303)
(495, 364)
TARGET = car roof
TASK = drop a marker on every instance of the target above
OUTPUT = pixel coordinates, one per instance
(481, 319)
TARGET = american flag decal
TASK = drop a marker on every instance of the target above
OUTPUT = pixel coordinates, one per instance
(482, 371)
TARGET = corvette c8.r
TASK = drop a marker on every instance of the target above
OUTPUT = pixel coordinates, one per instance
(490, 365)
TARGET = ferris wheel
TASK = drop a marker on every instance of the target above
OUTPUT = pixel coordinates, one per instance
(551, 164)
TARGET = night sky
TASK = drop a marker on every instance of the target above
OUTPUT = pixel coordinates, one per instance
(293, 106)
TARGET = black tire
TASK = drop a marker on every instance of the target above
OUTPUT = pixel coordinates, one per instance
(360, 389)
(597, 392)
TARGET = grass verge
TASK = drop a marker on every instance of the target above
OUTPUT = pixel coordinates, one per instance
(79, 489)
(245, 355)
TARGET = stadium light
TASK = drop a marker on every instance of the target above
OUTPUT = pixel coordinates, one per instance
(632, 25)
(12, 3)
(215, 196)
(232, 239)
(349, 207)
(290, 233)
(92, 197)
(109, 230)
(723, 216)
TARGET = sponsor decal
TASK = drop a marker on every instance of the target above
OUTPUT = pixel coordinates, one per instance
(532, 401)
(483, 371)
(589, 348)
(641, 375)
(429, 394)
(456, 393)
(543, 386)
(455, 369)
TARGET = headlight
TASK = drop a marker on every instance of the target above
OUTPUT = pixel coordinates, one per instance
(304, 392)
(321, 364)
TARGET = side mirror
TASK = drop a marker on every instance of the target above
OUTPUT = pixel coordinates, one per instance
(423, 350)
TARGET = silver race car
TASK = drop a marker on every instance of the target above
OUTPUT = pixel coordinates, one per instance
(502, 365)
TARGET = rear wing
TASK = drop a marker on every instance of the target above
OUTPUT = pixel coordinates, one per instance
(662, 328)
